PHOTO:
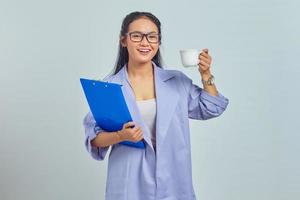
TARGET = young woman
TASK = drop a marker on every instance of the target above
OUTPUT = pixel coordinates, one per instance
(160, 102)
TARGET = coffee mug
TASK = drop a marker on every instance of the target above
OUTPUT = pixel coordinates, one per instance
(190, 57)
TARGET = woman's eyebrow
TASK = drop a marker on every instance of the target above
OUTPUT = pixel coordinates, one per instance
(143, 32)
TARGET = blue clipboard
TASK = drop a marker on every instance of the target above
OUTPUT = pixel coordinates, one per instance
(108, 106)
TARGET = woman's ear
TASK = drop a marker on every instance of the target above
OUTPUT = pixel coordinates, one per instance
(123, 41)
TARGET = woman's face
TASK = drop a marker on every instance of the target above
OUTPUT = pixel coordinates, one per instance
(141, 52)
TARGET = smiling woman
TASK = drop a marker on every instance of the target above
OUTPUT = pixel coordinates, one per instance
(160, 102)
(138, 26)
(141, 49)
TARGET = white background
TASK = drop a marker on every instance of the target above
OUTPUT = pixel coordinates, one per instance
(250, 152)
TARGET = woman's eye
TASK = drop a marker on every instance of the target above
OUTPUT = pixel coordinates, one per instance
(136, 36)
(152, 36)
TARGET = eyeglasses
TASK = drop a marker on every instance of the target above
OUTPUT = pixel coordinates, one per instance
(138, 37)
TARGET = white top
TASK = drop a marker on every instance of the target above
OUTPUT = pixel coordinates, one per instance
(148, 113)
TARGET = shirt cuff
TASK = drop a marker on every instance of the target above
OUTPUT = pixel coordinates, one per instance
(218, 100)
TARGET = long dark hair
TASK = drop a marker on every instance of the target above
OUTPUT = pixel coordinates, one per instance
(122, 58)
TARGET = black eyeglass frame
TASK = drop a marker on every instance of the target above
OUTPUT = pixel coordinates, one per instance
(144, 35)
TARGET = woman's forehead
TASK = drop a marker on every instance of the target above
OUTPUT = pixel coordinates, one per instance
(143, 25)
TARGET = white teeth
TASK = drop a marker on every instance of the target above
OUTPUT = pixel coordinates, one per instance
(144, 50)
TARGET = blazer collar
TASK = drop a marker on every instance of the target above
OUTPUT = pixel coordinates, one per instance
(166, 101)
(159, 73)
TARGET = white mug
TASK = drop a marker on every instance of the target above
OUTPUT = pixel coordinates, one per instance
(190, 57)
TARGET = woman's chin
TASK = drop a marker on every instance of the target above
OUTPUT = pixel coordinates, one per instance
(144, 60)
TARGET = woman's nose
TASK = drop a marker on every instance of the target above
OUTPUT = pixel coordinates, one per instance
(144, 40)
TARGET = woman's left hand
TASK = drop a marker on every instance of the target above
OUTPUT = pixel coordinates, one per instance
(204, 63)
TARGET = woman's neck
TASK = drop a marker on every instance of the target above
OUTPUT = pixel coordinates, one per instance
(135, 70)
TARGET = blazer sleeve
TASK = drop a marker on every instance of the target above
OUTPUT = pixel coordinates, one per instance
(91, 131)
(202, 105)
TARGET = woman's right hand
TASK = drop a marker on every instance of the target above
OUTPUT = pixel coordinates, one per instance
(134, 134)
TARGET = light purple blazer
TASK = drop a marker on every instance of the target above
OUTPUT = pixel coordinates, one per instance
(142, 174)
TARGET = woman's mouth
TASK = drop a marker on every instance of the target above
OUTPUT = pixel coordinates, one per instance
(144, 51)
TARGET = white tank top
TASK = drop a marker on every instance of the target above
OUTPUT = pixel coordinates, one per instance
(148, 113)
